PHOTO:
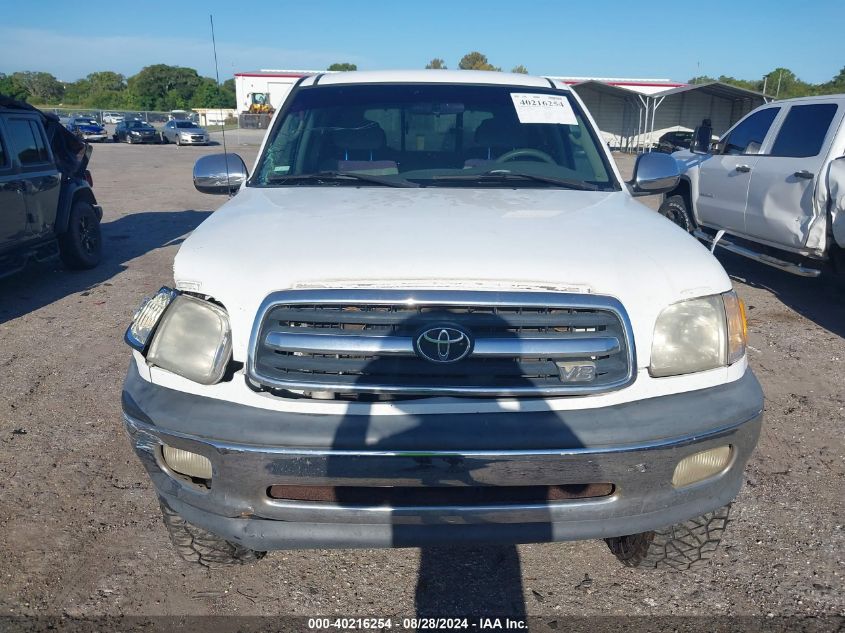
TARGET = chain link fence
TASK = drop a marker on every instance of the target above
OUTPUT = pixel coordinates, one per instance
(112, 116)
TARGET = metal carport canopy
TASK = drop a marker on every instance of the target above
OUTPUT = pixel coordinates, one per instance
(742, 101)
(608, 121)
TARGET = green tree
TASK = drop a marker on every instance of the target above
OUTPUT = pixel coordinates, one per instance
(40, 87)
(343, 66)
(834, 86)
(105, 89)
(476, 61)
(783, 84)
(163, 87)
(210, 95)
(11, 87)
(701, 79)
(436, 64)
(522, 70)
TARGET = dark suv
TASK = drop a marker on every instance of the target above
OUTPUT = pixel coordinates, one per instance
(47, 207)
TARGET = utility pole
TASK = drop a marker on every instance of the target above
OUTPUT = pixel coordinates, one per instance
(780, 76)
(765, 81)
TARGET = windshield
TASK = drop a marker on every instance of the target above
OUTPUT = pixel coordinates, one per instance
(433, 135)
(137, 124)
(185, 124)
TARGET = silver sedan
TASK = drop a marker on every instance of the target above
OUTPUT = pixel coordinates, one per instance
(184, 133)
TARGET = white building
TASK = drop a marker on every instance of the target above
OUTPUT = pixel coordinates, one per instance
(276, 84)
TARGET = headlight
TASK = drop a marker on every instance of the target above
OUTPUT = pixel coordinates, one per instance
(192, 340)
(146, 318)
(698, 334)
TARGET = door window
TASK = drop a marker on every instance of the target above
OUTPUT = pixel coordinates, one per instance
(804, 130)
(748, 136)
(4, 161)
(26, 140)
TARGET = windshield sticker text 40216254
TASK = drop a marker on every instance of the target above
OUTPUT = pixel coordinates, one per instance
(543, 108)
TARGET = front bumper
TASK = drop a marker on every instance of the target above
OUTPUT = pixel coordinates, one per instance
(153, 138)
(635, 446)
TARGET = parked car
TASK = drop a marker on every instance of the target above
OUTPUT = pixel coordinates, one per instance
(47, 206)
(113, 117)
(673, 141)
(425, 319)
(773, 188)
(87, 130)
(135, 132)
(184, 133)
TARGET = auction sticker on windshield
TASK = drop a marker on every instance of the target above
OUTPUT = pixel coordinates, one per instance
(541, 108)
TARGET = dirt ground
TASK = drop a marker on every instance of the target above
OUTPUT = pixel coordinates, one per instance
(80, 529)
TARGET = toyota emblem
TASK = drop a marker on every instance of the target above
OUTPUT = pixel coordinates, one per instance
(443, 344)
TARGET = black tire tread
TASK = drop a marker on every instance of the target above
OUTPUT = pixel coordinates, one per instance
(674, 209)
(71, 251)
(687, 545)
(197, 545)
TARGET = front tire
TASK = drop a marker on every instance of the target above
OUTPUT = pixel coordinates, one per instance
(81, 246)
(674, 208)
(687, 545)
(197, 545)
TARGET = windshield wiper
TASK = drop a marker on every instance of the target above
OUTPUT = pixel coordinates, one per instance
(507, 174)
(329, 176)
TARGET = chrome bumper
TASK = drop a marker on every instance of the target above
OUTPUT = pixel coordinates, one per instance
(237, 505)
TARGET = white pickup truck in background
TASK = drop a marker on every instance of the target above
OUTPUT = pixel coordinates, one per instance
(773, 189)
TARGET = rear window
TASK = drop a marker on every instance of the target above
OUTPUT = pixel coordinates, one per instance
(804, 130)
(27, 142)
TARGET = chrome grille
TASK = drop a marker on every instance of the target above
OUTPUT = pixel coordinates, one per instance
(362, 341)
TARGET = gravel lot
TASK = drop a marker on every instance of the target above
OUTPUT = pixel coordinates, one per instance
(80, 529)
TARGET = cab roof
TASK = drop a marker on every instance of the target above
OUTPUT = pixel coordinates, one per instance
(433, 77)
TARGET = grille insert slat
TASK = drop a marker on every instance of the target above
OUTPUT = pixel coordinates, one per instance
(362, 342)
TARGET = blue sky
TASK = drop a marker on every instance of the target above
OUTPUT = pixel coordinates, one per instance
(613, 38)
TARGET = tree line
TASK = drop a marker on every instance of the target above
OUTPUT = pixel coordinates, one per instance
(474, 61)
(163, 87)
(781, 83)
(156, 87)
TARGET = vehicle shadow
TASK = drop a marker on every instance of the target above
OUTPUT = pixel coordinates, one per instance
(814, 298)
(124, 239)
(474, 573)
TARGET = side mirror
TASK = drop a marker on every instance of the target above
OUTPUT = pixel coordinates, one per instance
(699, 145)
(654, 173)
(219, 173)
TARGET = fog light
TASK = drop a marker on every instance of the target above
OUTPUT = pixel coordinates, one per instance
(700, 466)
(186, 463)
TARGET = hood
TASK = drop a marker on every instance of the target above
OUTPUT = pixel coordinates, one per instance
(268, 239)
(90, 129)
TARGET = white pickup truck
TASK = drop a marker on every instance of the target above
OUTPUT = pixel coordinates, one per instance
(435, 313)
(774, 188)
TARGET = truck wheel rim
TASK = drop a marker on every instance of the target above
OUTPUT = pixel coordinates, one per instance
(87, 235)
